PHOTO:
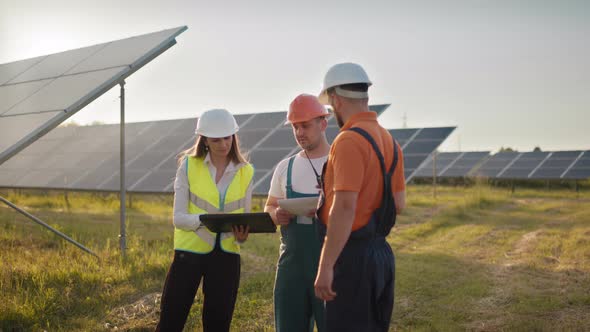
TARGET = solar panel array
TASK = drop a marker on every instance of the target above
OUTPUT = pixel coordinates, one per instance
(580, 169)
(418, 144)
(452, 164)
(537, 165)
(87, 157)
(37, 94)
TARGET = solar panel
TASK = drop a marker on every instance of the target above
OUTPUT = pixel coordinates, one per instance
(170, 164)
(279, 139)
(418, 145)
(13, 130)
(11, 70)
(268, 158)
(443, 160)
(421, 147)
(434, 133)
(13, 94)
(557, 165)
(186, 127)
(37, 179)
(266, 121)
(8, 177)
(62, 92)
(331, 133)
(113, 182)
(465, 164)
(94, 177)
(580, 169)
(249, 138)
(403, 134)
(56, 65)
(147, 161)
(158, 181)
(241, 118)
(523, 165)
(171, 143)
(262, 179)
(496, 163)
(379, 109)
(37, 94)
(535, 165)
(65, 178)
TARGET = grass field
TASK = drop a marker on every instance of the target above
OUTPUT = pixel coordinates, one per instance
(475, 258)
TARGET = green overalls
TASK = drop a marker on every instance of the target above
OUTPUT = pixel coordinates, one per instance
(294, 298)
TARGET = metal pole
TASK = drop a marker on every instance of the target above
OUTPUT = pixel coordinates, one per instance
(40, 222)
(434, 173)
(122, 235)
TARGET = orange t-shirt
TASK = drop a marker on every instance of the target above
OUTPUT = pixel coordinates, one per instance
(354, 166)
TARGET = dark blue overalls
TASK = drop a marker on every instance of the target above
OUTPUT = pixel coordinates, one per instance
(364, 273)
(294, 298)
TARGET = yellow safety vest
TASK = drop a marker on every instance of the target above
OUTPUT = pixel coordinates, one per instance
(205, 198)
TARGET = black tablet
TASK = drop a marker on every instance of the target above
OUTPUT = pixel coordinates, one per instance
(223, 222)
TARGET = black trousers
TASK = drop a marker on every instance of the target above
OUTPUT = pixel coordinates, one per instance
(220, 272)
(364, 277)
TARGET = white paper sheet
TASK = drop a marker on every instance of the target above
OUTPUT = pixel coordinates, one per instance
(299, 206)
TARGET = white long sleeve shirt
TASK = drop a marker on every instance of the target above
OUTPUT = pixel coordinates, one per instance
(188, 221)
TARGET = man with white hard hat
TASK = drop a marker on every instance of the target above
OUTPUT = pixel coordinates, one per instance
(363, 189)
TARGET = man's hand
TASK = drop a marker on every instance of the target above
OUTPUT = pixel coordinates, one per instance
(282, 216)
(311, 213)
(279, 216)
(323, 283)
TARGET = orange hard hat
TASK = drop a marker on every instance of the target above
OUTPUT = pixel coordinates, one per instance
(304, 108)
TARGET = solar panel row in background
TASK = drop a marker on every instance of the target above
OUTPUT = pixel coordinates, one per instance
(537, 165)
(87, 157)
(452, 164)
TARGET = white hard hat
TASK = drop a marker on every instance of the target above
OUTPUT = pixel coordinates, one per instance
(216, 123)
(344, 73)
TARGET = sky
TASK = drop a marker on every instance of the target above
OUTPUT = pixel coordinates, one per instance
(507, 73)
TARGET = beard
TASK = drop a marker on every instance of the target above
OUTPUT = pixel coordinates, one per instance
(339, 120)
(307, 145)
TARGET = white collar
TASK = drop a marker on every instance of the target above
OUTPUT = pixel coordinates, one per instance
(232, 166)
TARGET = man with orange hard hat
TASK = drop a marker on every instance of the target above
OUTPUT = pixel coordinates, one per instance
(362, 192)
(295, 304)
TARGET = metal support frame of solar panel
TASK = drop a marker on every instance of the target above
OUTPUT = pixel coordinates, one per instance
(38, 94)
(452, 164)
(536, 165)
(418, 145)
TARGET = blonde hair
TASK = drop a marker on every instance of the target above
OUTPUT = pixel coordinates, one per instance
(199, 150)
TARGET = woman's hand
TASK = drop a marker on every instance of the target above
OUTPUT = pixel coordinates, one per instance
(241, 232)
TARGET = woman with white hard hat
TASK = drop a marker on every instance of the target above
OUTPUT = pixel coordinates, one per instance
(212, 177)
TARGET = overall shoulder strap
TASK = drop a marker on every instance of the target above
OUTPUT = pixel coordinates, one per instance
(290, 170)
(368, 137)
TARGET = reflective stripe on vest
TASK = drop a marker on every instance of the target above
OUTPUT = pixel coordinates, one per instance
(205, 198)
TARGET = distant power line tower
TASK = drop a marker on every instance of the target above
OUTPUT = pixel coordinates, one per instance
(405, 123)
